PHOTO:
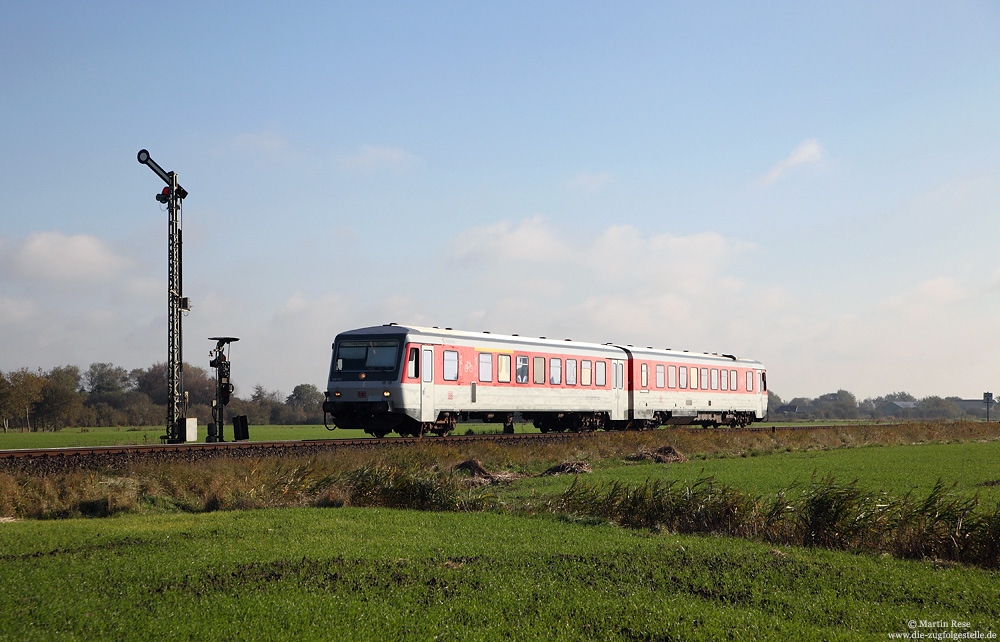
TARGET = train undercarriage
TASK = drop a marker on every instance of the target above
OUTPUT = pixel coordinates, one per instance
(379, 421)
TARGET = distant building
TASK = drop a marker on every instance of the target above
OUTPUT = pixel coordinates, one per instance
(899, 408)
(977, 406)
(912, 408)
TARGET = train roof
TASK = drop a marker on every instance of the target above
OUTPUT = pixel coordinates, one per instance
(482, 337)
(555, 344)
(714, 357)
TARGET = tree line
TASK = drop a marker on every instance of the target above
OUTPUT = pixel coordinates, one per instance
(897, 405)
(109, 395)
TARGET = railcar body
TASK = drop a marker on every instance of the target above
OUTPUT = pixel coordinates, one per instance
(413, 380)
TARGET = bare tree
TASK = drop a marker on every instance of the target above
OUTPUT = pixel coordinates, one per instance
(25, 392)
(5, 401)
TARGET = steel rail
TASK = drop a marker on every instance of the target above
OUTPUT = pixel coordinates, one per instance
(236, 447)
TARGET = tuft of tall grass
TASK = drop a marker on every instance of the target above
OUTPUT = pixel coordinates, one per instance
(942, 527)
(417, 489)
(824, 513)
(835, 515)
(702, 507)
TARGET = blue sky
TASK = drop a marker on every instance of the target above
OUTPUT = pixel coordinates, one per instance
(813, 186)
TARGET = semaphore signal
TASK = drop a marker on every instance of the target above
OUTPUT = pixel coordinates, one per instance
(172, 195)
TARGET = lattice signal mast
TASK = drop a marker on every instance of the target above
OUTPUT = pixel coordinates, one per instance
(172, 195)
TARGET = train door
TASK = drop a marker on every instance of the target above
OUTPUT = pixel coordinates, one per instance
(762, 393)
(620, 399)
(428, 411)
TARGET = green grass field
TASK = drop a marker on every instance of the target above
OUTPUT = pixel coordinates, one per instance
(171, 565)
(376, 574)
(967, 469)
(118, 436)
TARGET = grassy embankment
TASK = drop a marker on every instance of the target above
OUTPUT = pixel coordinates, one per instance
(961, 456)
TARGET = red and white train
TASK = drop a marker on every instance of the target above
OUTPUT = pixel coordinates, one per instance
(413, 381)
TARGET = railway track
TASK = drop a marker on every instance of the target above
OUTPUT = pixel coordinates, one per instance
(278, 446)
(43, 459)
(59, 460)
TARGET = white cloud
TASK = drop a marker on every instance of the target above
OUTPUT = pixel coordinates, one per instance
(940, 291)
(42, 333)
(809, 152)
(76, 299)
(532, 240)
(374, 157)
(17, 311)
(616, 285)
(62, 260)
(589, 183)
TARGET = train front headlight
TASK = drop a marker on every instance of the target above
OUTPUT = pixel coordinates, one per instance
(385, 393)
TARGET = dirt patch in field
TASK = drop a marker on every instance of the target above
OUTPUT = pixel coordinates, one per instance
(989, 484)
(481, 476)
(663, 455)
(569, 468)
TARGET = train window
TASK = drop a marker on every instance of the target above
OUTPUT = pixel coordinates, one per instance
(763, 381)
(749, 380)
(413, 364)
(734, 379)
(522, 368)
(570, 372)
(704, 379)
(485, 366)
(621, 375)
(614, 376)
(724, 381)
(715, 378)
(645, 375)
(671, 376)
(684, 376)
(585, 373)
(601, 378)
(450, 370)
(503, 368)
(693, 376)
(555, 371)
(361, 355)
(428, 365)
(539, 366)
(660, 376)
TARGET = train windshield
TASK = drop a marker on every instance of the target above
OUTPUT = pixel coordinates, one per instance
(366, 354)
